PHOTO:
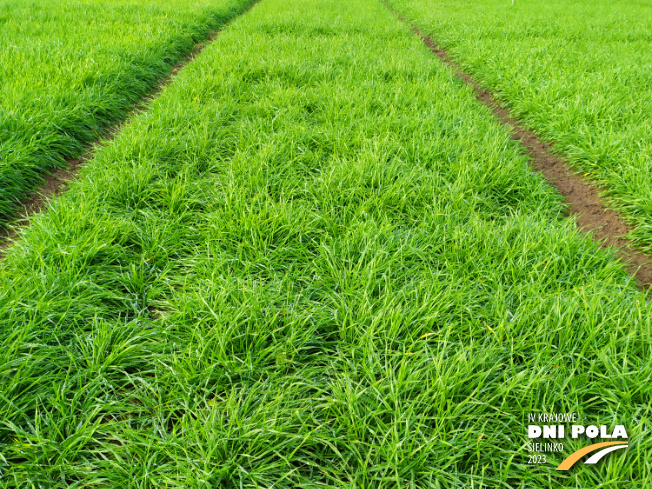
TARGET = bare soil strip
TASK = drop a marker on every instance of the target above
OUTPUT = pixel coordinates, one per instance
(594, 216)
(56, 182)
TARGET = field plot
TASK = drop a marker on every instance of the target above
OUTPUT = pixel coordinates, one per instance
(315, 261)
(69, 68)
(579, 73)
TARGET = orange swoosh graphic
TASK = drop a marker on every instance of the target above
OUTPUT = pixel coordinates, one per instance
(575, 456)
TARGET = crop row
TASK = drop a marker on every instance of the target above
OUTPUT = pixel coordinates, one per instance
(578, 73)
(68, 69)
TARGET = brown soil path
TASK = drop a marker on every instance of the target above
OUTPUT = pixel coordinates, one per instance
(56, 182)
(606, 226)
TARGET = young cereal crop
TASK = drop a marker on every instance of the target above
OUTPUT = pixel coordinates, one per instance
(315, 261)
(69, 68)
(577, 72)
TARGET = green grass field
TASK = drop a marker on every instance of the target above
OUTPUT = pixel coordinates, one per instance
(69, 68)
(578, 72)
(316, 261)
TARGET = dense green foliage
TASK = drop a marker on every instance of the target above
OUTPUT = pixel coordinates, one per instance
(315, 261)
(68, 68)
(578, 72)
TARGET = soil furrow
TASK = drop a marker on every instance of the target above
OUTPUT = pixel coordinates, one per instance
(56, 182)
(594, 216)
